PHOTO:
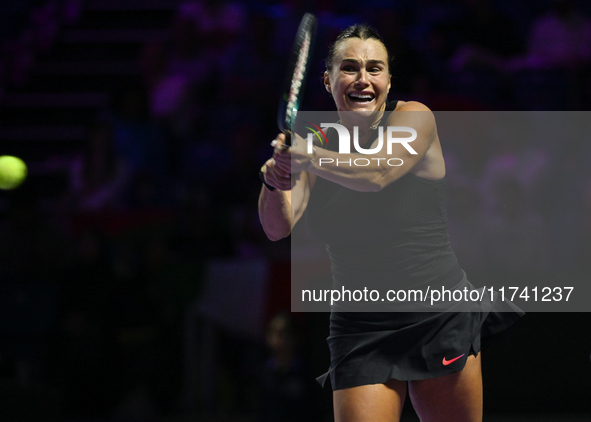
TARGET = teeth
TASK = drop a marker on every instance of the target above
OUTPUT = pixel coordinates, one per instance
(367, 97)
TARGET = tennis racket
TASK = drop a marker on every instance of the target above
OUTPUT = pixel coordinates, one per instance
(295, 77)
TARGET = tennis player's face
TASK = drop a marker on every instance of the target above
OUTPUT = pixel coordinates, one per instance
(359, 79)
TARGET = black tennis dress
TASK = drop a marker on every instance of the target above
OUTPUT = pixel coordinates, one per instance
(399, 235)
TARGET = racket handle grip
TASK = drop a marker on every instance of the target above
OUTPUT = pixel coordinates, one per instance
(287, 142)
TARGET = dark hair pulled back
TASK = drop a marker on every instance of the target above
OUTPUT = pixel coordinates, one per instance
(361, 31)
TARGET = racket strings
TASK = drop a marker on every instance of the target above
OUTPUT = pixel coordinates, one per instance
(298, 77)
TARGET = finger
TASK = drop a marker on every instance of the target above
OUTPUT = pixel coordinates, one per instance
(279, 143)
(284, 165)
(279, 173)
(269, 163)
(281, 149)
(282, 155)
(270, 178)
(265, 167)
(279, 140)
(277, 181)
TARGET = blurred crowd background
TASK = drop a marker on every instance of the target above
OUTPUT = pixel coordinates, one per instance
(135, 280)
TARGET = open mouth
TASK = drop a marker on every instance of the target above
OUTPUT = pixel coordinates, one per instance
(361, 97)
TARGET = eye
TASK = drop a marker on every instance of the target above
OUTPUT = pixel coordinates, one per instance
(375, 70)
(348, 68)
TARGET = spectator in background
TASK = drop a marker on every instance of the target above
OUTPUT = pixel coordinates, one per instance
(561, 38)
(140, 144)
(286, 393)
(179, 73)
(190, 77)
(98, 178)
(435, 54)
(286, 15)
(43, 20)
(219, 24)
(517, 236)
(186, 76)
(251, 82)
(526, 163)
(408, 74)
(124, 160)
(482, 26)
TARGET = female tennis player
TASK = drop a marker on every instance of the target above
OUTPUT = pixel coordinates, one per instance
(377, 358)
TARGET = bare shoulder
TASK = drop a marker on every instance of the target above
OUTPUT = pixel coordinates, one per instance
(425, 119)
(431, 164)
(411, 106)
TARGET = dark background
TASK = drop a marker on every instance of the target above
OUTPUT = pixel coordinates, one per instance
(135, 280)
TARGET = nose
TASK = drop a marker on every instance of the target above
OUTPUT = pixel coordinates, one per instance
(362, 78)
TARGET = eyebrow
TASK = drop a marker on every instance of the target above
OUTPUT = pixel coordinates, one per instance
(369, 61)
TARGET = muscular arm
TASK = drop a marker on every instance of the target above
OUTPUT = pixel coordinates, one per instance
(275, 212)
(378, 173)
(281, 209)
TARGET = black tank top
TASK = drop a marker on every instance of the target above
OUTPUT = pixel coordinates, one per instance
(396, 236)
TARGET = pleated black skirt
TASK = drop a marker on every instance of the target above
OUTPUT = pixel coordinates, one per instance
(372, 348)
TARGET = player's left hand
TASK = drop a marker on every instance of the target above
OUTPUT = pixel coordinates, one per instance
(294, 159)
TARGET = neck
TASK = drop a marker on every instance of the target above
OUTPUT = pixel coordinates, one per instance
(365, 121)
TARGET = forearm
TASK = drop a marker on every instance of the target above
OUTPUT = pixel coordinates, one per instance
(389, 160)
(364, 173)
(275, 213)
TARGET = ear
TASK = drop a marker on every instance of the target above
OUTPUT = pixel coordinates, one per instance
(389, 82)
(327, 82)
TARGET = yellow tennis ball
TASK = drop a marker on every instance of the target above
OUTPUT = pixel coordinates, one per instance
(12, 172)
